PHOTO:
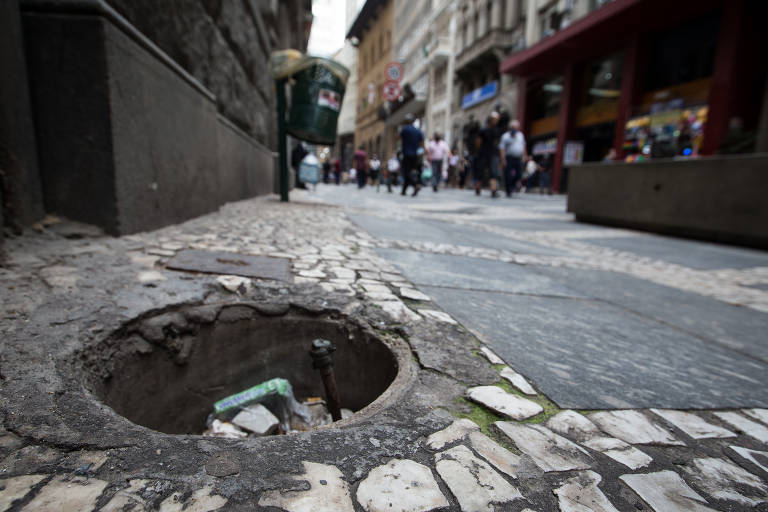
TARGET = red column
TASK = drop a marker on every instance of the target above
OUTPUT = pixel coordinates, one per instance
(567, 121)
(522, 103)
(630, 90)
(726, 89)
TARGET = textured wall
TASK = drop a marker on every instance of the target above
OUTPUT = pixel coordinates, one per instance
(225, 44)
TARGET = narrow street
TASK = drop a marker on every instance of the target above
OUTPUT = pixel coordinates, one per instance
(596, 317)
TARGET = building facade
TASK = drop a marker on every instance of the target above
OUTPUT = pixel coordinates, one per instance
(347, 55)
(371, 32)
(487, 32)
(424, 33)
(639, 79)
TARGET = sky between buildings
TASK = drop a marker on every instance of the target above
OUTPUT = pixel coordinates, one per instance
(330, 25)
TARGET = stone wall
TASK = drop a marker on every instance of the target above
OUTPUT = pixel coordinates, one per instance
(225, 44)
(719, 198)
(128, 139)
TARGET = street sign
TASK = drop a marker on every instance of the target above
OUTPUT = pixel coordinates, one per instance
(390, 90)
(395, 71)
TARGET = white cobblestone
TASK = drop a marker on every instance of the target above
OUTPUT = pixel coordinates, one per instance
(440, 316)
(14, 488)
(327, 492)
(578, 427)
(476, 486)
(413, 294)
(517, 380)
(491, 356)
(633, 427)
(501, 458)
(693, 425)
(63, 494)
(665, 491)
(752, 456)
(504, 403)
(725, 481)
(758, 414)
(128, 499)
(548, 450)
(580, 494)
(749, 427)
(400, 486)
(200, 501)
(456, 431)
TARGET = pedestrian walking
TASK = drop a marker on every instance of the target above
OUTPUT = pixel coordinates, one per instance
(360, 158)
(437, 151)
(374, 168)
(453, 167)
(326, 170)
(337, 171)
(297, 155)
(393, 169)
(411, 139)
(512, 152)
(486, 161)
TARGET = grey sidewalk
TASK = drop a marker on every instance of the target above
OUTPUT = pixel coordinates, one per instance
(70, 306)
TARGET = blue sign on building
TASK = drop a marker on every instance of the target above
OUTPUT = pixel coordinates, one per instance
(483, 93)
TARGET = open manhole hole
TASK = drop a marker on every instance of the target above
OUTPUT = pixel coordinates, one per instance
(165, 372)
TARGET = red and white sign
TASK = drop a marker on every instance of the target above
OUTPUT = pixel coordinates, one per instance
(395, 71)
(390, 90)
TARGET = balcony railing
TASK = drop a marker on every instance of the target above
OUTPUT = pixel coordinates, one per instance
(494, 39)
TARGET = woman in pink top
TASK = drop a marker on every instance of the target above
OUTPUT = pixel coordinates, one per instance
(437, 150)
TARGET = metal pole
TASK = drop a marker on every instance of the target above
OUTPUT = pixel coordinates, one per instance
(281, 147)
(321, 360)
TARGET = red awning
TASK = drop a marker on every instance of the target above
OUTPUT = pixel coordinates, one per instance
(604, 30)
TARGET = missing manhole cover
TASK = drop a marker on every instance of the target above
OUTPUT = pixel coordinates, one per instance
(214, 262)
(172, 367)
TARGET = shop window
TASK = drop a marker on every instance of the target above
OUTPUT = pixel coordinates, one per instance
(602, 80)
(682, 55)
(547, 98)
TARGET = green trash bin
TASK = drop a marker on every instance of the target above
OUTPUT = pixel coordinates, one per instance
(317, 92)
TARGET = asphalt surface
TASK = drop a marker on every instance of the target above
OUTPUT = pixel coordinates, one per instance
(587, 338)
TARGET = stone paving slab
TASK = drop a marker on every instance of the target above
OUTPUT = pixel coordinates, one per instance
(425, 230)
(694, 254)
(466, 273)
(733, 327)
(565, 354)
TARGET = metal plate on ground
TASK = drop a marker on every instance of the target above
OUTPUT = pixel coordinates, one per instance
(219, 262)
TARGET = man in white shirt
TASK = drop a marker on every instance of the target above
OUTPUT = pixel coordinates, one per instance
(437, 150)
(512, 151)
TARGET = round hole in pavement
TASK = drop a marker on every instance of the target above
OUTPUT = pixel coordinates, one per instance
(166, 371)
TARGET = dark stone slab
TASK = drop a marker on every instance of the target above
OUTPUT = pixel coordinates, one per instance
(214, 262)
(426, 230)
(586, 354)
(474, 273)
(689, 253)
(737, 328)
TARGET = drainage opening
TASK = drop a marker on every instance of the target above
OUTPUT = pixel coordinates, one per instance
(165, 372)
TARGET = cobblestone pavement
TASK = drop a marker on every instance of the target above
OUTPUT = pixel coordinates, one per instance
(464, 430)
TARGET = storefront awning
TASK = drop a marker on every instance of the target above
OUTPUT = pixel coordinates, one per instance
(603, 30)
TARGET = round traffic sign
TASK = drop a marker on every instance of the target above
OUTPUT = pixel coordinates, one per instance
(390, 90)
(395, 71)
